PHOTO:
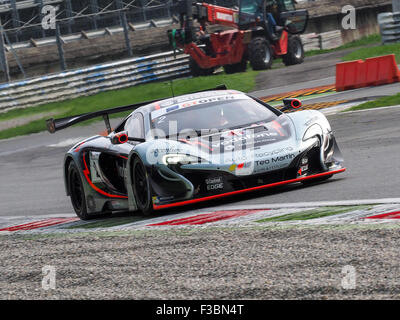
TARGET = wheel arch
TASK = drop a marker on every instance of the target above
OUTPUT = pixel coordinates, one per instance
(67, 162)
(129, 183)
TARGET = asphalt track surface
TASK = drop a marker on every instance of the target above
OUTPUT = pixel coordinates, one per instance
(32, 183)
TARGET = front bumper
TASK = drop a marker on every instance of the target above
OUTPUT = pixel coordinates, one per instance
(237, 192)
(178, 186)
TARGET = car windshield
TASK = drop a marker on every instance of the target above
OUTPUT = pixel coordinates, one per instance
(219, 115)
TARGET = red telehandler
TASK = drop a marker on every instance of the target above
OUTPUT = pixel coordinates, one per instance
(262, 30)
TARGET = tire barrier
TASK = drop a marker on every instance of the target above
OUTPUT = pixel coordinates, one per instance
(389, 25)
(371, 72)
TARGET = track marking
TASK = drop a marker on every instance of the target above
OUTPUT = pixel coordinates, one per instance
(391, 215)
(300, 93)
(39, 224)
(207, 218)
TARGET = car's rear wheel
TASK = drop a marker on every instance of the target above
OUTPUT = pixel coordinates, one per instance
(76, 191)
(141, 187)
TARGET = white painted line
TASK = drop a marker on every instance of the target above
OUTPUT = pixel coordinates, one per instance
(374, 109)
(338, 108)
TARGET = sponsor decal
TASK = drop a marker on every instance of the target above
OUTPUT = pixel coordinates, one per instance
(275, 163)
(274, 160)
(274, 152)
(176, 104)
(214, 184)
(244, 138)
(94, 160)
(283, 158)
(158, 199)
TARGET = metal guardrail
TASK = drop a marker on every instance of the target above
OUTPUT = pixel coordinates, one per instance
(389, 24)
(116, 75)
(88, 81)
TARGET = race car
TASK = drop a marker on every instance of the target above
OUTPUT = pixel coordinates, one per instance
(193, 148)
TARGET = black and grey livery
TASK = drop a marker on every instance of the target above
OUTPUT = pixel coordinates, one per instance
(194, 148)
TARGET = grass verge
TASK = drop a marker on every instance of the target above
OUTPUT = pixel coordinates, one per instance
(241, 81)
(381, 102)
(376, 51)
(363, 42)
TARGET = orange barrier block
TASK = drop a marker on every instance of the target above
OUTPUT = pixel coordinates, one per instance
(371, 72)
(382, 70)
(350, 75)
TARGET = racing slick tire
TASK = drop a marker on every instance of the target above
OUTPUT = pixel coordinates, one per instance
(77, 193)
(316, 180)
(295, 52)
(141, 187)
(197, 71)
(237, 67)
(260, 54)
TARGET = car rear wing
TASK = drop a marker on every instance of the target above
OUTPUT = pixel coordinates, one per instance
(54, 125)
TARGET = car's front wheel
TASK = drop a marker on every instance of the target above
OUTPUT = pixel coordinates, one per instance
(141, 187)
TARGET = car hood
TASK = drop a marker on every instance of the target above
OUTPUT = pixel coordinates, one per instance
(255, 149)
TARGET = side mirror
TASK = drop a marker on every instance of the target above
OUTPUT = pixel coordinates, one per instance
(119, 137)
(291, 104)
(122, 137)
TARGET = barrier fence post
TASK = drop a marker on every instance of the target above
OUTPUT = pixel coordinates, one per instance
(63, 63)
(126, 33)
(396, 5)
(3, 56)
(125, 27)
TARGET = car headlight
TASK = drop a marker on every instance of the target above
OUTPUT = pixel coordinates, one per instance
(313, 131)
(174, 159)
